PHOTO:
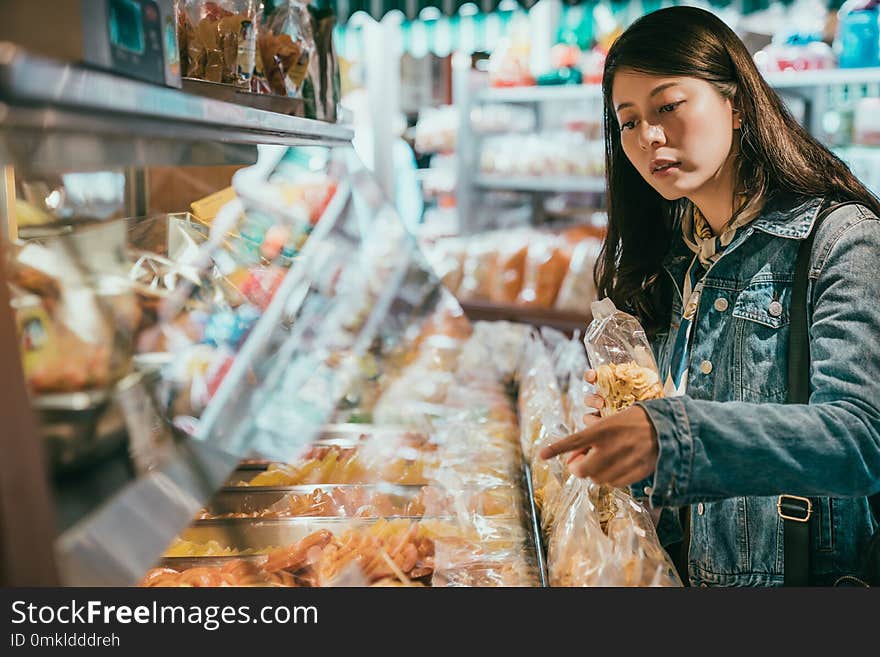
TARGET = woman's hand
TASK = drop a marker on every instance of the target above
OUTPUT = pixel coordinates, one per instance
(618, 450)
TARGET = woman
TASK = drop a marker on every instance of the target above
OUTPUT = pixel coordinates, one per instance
(712, 188)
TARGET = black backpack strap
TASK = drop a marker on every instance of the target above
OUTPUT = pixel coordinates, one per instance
(796, 511)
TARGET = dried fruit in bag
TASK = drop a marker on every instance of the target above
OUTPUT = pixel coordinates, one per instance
(620, 353)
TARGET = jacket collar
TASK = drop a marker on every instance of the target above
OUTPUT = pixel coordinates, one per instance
(784, 215)
(790, 216)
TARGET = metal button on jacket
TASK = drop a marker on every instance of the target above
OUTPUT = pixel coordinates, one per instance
(706, 367)
(700, 509)
(775, 309)
(721, 304)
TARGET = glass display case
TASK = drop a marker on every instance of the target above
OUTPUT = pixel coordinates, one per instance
(228, 351)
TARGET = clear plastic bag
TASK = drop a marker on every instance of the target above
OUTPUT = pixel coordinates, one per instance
(220, 38)
(578, 549)
(546, 265)
(286, 46)
(510, 268)
(620, 353)
(578, 289)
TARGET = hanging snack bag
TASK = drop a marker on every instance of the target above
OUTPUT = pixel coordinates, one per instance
(285, 47)
(620, 353)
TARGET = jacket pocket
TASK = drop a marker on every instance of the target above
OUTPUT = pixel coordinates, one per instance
(761, 317)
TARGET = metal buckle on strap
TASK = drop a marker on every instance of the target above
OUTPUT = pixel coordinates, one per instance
(806, 507)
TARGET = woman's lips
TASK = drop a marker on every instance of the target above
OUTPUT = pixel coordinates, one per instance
(666, 169)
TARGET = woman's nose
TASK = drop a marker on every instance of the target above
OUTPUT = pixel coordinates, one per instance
(651, 135)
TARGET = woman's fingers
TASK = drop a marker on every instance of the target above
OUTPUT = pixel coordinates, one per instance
(594, 401)
(580, 440)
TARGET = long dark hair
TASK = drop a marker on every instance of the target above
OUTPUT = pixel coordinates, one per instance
(776, 153)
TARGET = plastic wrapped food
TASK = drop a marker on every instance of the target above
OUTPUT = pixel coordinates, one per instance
(546, 266)
(510, 269)
(286, 46)
(76, 315)
(480, 270)
(181, 548)
(620, 353)
(220, 40)
(321, 89)
(578, 289)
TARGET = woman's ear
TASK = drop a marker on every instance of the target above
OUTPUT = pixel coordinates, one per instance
(737, 119)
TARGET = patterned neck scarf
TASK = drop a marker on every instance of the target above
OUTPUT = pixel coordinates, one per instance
(708, 249)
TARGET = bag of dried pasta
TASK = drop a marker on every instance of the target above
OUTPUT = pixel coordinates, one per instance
(619, 351)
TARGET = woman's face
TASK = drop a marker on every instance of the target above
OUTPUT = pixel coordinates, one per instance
(676, 131)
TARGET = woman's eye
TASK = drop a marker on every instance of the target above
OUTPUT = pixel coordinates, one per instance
(629, 125)
(669, 107)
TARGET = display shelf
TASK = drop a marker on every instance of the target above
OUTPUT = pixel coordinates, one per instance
(222, 422)
(780, 80)
(535, 94)
(567, 322)
(52, 112)
(823, 78)
(549, 184)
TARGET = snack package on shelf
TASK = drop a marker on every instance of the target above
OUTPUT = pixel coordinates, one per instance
(285, 46)
(561, 153)
(220, 40)
(578, 288)
(597, 535)
(205, 297)
(538, 390)
(501, 118)
(437, 129)
(638, 559)
(546, 266)
(321, 89)
(620, 353)
(577, 547)
(383, 552)
(499, 344)
(76, 313)
(509, 269)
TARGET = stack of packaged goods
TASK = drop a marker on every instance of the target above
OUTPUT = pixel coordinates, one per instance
(281, 48)
(204, 281)
(526, 267)
(596, 535)
(428, 496)
(544, 154)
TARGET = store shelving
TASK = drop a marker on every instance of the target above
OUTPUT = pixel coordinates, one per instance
(810, 87)
(578, 92)
(72, 92)
(536, 94)
(567, 322)
(549, 184)
(823, 78)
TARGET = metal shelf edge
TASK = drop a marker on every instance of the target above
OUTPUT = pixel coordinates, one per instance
(121, 540)
(29, 80)
(558, 184)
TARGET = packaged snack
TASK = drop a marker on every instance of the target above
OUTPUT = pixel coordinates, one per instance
(286, 46)
(578, 289)
(510, 270)
(480, 270)
(620, 353)
(220, 40)
(321, 89)
(76, 313)
(546, 265)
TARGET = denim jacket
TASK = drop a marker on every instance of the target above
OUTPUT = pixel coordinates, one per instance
(731, 445)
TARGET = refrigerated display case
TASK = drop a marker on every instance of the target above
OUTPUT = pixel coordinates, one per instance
(273, 364)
